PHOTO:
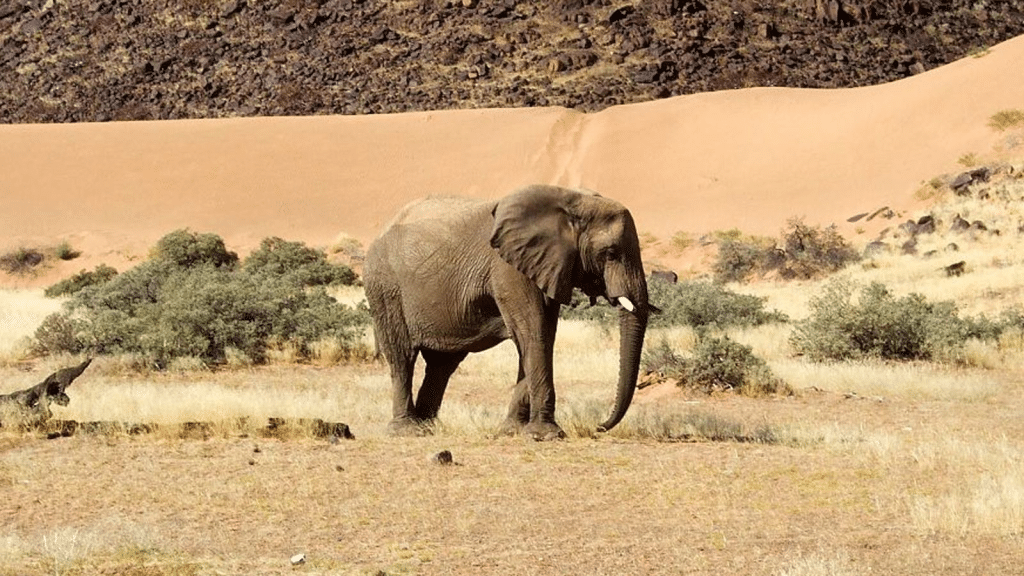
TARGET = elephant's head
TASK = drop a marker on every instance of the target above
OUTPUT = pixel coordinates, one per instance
(563, 239)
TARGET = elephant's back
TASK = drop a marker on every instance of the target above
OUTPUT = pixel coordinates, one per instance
(440, 210)
(437, 220)
(430, 229)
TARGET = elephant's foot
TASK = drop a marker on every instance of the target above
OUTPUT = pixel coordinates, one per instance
(511, 427)
(406, 426)
(543, 431)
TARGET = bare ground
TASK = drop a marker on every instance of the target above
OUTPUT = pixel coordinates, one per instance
(850, 485)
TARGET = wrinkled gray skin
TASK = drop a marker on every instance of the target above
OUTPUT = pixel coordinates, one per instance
(452, 276)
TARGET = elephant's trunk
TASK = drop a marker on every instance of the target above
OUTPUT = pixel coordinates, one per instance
(632, 327)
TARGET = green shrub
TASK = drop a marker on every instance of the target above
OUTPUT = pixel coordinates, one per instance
(879, 325)
(205, 310)
(717, 364)
(805, 252)
(306, 266)
(741, 257)
(661, 358)
(58, 332)
(186, 249)
(74, 284)
(697, 304)
(64, 251)
(707, 304)
(810, 252)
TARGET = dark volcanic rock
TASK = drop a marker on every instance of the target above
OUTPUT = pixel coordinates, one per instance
(117, 60)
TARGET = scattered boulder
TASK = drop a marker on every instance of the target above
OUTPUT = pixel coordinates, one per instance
(665, 276)
(884, 212)
(443, 458)
(360, 57)
(875, 248)
(925, 224)
(956, 268)
(961, 184)
(959, 224)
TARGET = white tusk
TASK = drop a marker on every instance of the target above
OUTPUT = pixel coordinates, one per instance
(626, 304)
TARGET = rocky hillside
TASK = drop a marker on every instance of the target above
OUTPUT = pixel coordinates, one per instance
(98, 60)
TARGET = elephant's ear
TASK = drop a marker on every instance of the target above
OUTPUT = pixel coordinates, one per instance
(535, 234)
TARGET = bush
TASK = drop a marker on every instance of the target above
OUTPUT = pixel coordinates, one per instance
(717, 364)
(74, 284)
(186, 249)
(740, 257)
(298, 262)
(697, 304)
(879, 325)
(64, 251)
(707, 304)
(810, 252)
(806, 252)
(206, 310)
(21, 260)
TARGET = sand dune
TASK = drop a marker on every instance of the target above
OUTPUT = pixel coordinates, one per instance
(747, 159)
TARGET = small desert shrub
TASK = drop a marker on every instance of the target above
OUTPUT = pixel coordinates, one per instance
(74, 284)
(879, 325)
(348, 248)
(21, 260)
(189, 301)
(697, 304)
(811, 252)
(717, 363)
(681, 241)
(1005, 119)
(64, 251)
(804, 252)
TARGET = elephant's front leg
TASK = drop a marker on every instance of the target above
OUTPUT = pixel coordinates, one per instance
(536, 349)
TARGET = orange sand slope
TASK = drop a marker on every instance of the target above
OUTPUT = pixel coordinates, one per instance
(747, 159)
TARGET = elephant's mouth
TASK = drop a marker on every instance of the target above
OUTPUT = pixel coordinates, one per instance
(595, 289)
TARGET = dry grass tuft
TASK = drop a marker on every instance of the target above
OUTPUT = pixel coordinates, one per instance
(1006, 119)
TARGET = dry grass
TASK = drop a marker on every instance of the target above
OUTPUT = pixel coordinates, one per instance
(821, 483)
(21, 312)
(872, 467)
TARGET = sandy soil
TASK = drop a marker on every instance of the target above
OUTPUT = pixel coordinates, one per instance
(748, 159)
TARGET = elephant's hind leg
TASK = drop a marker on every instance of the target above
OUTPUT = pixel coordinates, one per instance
(404, 421)
(394, 343)
(440, 367)
(519, 410)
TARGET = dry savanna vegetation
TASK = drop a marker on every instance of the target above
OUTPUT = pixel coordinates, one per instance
(861, 465)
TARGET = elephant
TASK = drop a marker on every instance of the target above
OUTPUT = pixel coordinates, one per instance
(451, 276)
